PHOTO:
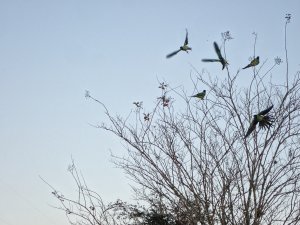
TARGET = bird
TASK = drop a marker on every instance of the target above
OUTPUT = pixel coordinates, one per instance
(200, 95)
(254, 62)
(184, 47)
(263, 119)
(221, 59)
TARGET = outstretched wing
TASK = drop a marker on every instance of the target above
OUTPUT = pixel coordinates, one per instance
(210, 60)
(186, 42)
(264, 112)
(173, 53)
(218, 51)
(251, 128)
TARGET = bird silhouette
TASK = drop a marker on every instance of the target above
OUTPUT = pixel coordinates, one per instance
(264, 120)
(254, 62)
(184, 47)
(221, 58)
(200, 95)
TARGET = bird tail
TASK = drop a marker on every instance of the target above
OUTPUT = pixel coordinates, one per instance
(246, 66)
(210, 60)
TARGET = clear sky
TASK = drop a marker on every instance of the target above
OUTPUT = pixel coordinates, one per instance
(52, 51)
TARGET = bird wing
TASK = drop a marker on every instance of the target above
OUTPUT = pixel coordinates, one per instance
(218, 51)
(173, 53)
(210, 60)
(186, 42)
(251, 128)
(201, 95)
(255, 61)
(264, 112)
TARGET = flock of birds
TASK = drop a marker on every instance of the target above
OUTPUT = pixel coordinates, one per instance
(263, 119)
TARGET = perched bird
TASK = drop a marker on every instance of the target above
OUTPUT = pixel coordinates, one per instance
(200, 95)
(221, 59)
(254, 62)
(263, 119)
(185, 47)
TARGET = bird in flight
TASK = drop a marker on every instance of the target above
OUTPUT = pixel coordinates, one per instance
(221, 59)
(184, 47)
(254, 62)
(200, 95)
(263, 119)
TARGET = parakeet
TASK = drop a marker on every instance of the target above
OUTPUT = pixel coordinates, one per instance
(254, 62)
(221, 59)
(200, 95)
(185, 47)
(263, 119)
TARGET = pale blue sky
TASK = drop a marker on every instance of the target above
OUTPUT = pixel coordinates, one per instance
(52, 51)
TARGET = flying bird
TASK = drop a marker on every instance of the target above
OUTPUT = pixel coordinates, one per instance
(263, 119)
(200, 95)
(185, 47)
(221, 59)
(254, 62)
